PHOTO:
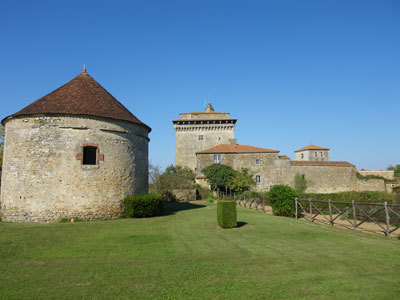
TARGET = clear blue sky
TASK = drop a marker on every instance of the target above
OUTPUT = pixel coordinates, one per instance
(291, 72)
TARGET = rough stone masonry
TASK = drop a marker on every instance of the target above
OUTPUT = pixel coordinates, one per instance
(76, 152)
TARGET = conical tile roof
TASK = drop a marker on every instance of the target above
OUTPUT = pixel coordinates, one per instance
(81, 96)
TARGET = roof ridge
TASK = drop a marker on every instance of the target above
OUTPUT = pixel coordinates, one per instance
(82, 95)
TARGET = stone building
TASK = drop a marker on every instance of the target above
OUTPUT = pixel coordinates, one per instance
(312, 153)
(269, 168)
(198, 131)
(76, 152)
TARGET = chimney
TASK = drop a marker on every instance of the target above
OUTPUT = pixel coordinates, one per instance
(233, 141)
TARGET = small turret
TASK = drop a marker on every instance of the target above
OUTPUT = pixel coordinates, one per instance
(209, 108)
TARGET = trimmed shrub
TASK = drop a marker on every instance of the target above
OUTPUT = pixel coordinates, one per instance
(282, 199)
(143, 206)
(226, 214)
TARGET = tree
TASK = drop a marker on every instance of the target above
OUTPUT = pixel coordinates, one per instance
(282, 199)
(219, 176)
(396, 170)
(241, 181)
(174, 177)
(154, 173)
(300, 183)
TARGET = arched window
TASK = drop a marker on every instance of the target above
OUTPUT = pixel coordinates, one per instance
(89, 155)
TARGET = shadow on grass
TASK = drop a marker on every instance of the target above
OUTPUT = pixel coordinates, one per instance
(241, 224)
(174, 207)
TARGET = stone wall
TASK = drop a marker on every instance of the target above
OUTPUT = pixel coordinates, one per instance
(188, 140)
(274, 171)
(312, 155)
(370, 185)
(184, 195)
(388, 174)
(43, 181)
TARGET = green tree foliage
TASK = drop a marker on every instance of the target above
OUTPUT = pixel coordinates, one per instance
(282, 200)
(174, 177)
(300, 183)
(219, 175)
(241, 181)
(396, 170)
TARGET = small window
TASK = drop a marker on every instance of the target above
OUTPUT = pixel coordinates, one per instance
(302, 156)
(89, 155)
(257, 161)
(200, 137)
(315, 154)
(321, 154)
(258, 179)
(217, 158)
(219, 138)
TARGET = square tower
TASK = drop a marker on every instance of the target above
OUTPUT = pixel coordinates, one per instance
(312, 153)
(198, 131)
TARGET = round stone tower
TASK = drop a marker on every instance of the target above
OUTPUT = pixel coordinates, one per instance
(76, 152)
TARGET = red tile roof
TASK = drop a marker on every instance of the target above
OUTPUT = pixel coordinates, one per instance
(312, 147)
(227, 148)
(321, 163)
(81, 96)
(284, 157)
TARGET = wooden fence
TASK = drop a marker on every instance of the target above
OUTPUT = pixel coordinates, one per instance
(252, 202)
(385, 216)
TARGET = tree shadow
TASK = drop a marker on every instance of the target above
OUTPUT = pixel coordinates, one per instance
(241, 224)
(173, 207)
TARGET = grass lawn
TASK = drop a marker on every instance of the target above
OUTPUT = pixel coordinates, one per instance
(184, 255)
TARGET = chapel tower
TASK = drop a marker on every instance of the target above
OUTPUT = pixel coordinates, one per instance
(198, 131)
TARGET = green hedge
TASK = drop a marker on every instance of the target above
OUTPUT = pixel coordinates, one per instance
(367, 197)
(282, 200)
(226, 214)
(143, 206)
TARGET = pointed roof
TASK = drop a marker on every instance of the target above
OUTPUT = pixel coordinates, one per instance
(81, 96)
(311, 147)
(228, 148)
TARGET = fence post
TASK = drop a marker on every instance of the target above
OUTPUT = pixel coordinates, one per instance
(354, 214)
(330, 212)
(387, 221)
(295, 199)
(309, 200)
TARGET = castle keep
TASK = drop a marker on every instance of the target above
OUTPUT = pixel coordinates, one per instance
(268, 167)
(76, 152)
(198, 131)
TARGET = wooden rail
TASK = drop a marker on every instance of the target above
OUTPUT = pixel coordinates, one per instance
(310, 211)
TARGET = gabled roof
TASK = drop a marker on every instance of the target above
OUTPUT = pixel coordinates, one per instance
(312, 147)
(227, 148)
(321, 163)
(81, 96)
